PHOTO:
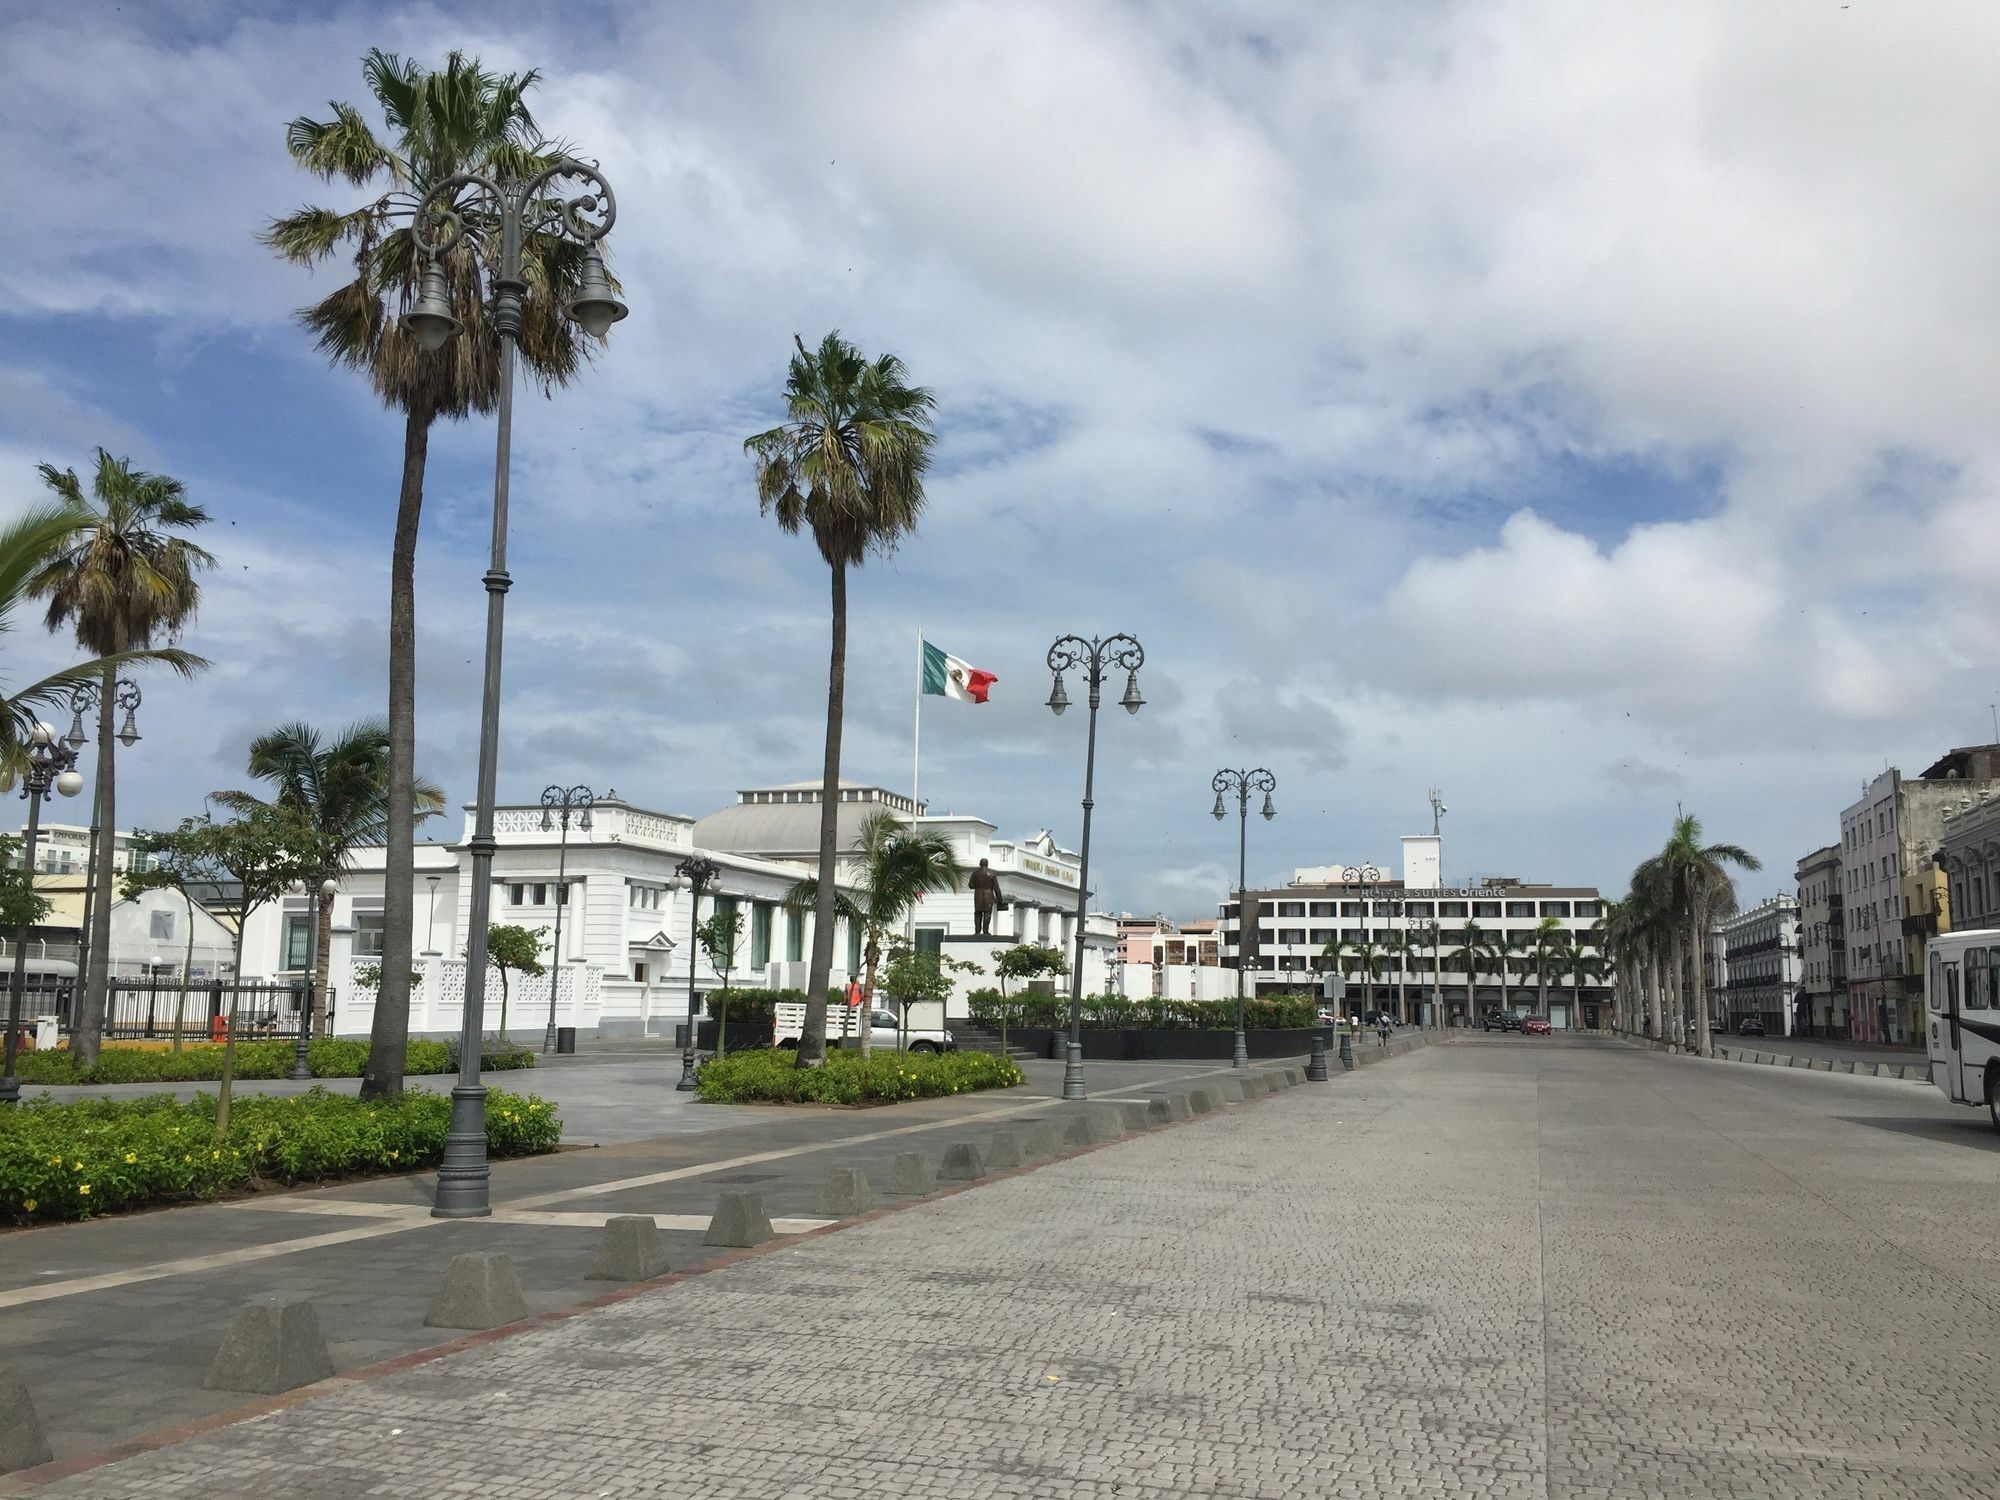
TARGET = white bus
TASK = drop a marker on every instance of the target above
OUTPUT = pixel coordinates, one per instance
(1962, 1020)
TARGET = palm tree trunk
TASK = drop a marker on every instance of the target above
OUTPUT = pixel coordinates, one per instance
(90, 1018)
(187, 963)
(1653, 992)
(389, 1030)
(323, 966)
(812, 1041)
(1701, 1044)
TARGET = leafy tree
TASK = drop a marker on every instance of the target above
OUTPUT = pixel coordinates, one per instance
(436, 124)
(176, 859)
(718, 937)
(1476, 950)
(122, 576)
(895, 866)
(21, 905)
(342, 789)
(847, 464)
(911, 978)
(1024, 961)
(516, 950)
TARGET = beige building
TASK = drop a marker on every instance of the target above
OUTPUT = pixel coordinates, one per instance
(1822, 945)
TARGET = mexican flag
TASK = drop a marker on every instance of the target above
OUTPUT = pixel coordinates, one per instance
(948, 677)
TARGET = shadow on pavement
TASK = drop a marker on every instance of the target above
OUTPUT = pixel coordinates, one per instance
(1971, 1132)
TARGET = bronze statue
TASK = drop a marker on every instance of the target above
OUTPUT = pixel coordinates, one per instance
(985, 899)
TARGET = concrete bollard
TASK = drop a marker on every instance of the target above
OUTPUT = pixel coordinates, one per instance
(1847, 1065)
(1347, 1048)
(1168, 1108)
(481, 1290)
(1106, 1125)
(1201, 1101)
(962, 1163)
(739, 1221)
(1077, 1134)
(1228, 1092)
(22, 1442)
(1132, 1114)
(629, 1249)
(846, 1193)
(1040, 1142)
(912, 1174)
(1316, 1069)
(1003, 1151)
(1293, 1078)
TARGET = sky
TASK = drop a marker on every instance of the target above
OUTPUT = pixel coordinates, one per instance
(1585, 409)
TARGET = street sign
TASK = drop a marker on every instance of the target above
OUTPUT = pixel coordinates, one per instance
(1332, 988)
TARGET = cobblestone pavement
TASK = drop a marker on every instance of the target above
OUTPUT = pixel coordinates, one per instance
(1503, 1267)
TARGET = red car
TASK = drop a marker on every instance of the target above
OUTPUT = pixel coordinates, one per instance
(1535, 1026)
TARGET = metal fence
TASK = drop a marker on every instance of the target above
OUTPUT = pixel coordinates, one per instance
(150, 1008)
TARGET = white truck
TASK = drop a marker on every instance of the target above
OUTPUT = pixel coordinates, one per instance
(843, 1023)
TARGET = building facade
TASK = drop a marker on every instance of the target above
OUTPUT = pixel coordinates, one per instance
(1763, 966)
(1969, 859)
(1892, 833)
(1822, 945)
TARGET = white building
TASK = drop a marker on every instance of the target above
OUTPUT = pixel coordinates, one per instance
(625, 911)
(1763, 970)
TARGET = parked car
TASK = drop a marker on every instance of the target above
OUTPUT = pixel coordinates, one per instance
(1750, 1026)
(1535, 1026)
(1502, 1020)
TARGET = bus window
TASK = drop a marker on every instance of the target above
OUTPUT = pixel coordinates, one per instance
(1982, 987)
(1935, 989)
(1951, 988)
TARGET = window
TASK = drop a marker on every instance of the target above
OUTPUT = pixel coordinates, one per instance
(930, 940)
(760, 935)
(1985, 993)
(1320, 936)
(541, 895)
(1520, 908)
(368, 934)
(160, 925)
(795, 937)
(1485, 908)
(1351, 909)
(1383, 909)
(1291, 908)
(297, 939)
(1451, 908)
(1324, 909)
(1555, 908)
(514, 893)
(1421, 908)
(1589, 909)
(638, 972)
(1291, 934)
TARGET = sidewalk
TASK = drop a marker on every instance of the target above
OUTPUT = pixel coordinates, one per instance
(113, 1323)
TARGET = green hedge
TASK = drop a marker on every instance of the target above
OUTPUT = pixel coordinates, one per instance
(1273, 1012)
(770, 1075)
(749, 1005)
(328, 1057)
(94, 1156)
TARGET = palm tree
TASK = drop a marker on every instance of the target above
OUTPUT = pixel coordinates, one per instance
(895, 867)
(847, 464)
(1403, 946)
(341, 791)
(121, 578)
(1547, 944)
(1362, 946)
(1474, 950)
(439, 123)
(1699, 889)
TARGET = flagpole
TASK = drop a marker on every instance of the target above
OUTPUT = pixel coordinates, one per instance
(917, 739)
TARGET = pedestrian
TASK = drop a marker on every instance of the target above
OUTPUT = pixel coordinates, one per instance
(1382, 1028)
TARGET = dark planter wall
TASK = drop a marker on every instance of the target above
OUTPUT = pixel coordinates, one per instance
(1184, 1045)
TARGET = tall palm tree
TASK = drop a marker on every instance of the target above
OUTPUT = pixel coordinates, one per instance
(1366, 959)
(1475, 950)
(847, 464)
(895, 866)
(1403, 947)
(340, 789)
(123, 577)
(1699, 889)
(438, 123)
(1545, 945)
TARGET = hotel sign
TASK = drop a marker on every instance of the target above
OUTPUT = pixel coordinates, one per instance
(1029, 865)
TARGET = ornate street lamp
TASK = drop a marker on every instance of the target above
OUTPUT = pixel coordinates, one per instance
(697, 870)
(51, 763)
(493, 217)
(559, 804)
(84, 701)
(1243, 783)
(1120, 652)
(1364, 876)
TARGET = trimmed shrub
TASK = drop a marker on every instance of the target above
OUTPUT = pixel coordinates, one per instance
(1109, 1012)
(328, 1057)
(94, 1156)
(749, 1006)
(771, 1075)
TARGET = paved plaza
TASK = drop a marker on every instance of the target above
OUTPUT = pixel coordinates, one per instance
(1505, 1266)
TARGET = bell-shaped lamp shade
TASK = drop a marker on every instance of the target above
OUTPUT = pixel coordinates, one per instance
(584, 821)
(1269, 811)
(1058, 699)
(1132, 701)
(1218, 807)
(595, 307)
(431, 320)
(76, 737)
(128, 732)
(70, 783)
(548, 821)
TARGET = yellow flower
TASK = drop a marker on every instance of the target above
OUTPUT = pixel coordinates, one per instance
(27, 1205)
(131, 1156)
(394, 1154)
(217, 1155)
(76, 1166)
(85, 1190)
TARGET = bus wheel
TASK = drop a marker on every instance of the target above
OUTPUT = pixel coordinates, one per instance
(1993, 1093)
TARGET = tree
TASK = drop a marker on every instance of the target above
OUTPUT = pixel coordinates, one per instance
(1024, 961)
(514, 950)
(718, 937)
(1401, 947)
(122, 576)
(894, 867)
(1476, 950)
(1547, 945)
(175, 860)
(1367, 959)
(1697, 889)
(913, 978)
(340, 788)
(847, 464)
(21, 905)
(437, 124)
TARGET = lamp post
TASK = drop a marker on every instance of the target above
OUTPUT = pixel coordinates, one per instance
(1116, 651)
(322, 893)
(1432, 932)
(51, 763)
(1243, 783)
(559, 804)
(1399, 949)
(1364, 876)
(491, 218)
(697, 870)
(85, 700)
